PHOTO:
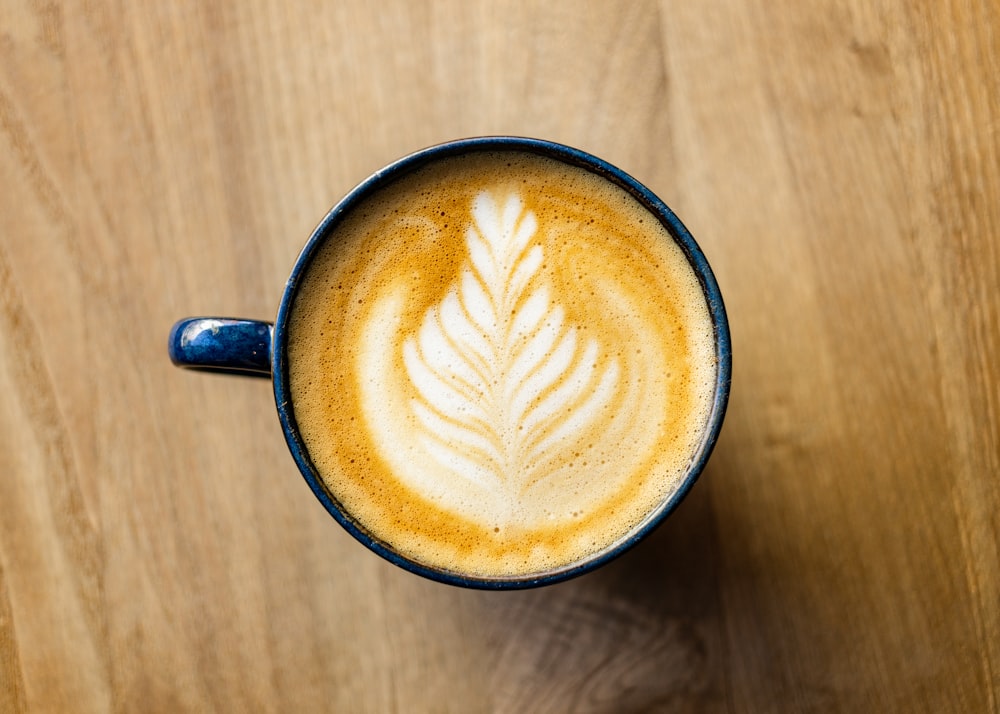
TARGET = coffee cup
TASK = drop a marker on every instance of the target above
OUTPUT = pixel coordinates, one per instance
(498, 362)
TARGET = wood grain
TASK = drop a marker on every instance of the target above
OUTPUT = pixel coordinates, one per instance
(839, 162)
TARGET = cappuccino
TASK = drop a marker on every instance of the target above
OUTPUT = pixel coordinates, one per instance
(500, 364)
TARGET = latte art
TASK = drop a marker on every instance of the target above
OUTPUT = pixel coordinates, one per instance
(500, 364)
(506, 390)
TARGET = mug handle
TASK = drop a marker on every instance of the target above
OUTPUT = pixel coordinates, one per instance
(222, 344)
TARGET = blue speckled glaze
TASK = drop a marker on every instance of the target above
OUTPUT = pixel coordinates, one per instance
(222, 344)
(231, 357)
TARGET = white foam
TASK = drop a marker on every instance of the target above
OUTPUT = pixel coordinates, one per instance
(499, 395)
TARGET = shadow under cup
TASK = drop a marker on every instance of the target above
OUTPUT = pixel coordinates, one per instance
(258, 348)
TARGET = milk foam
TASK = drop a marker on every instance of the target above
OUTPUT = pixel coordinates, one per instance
(506, 389)
(500, 364)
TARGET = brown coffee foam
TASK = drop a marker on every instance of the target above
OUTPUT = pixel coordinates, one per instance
(412, 238)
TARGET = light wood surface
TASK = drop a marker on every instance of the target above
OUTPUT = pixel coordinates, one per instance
(838, 163)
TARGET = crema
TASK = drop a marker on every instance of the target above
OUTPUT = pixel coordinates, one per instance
(500, 364)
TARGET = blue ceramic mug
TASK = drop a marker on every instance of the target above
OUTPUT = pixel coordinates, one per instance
(257, 348)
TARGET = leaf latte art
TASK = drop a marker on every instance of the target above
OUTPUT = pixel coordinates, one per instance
(502, 379)
(506, 412)
(500, 363)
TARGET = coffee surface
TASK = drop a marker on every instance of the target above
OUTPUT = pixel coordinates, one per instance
(500, 364)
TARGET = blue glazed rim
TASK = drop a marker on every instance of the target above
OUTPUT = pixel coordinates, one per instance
(566, 154)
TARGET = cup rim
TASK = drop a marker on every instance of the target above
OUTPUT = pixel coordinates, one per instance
(569, 155)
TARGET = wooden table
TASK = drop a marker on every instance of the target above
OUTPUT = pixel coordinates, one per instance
(839, 164)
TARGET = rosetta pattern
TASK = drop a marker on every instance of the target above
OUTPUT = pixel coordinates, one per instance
(502, 381)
